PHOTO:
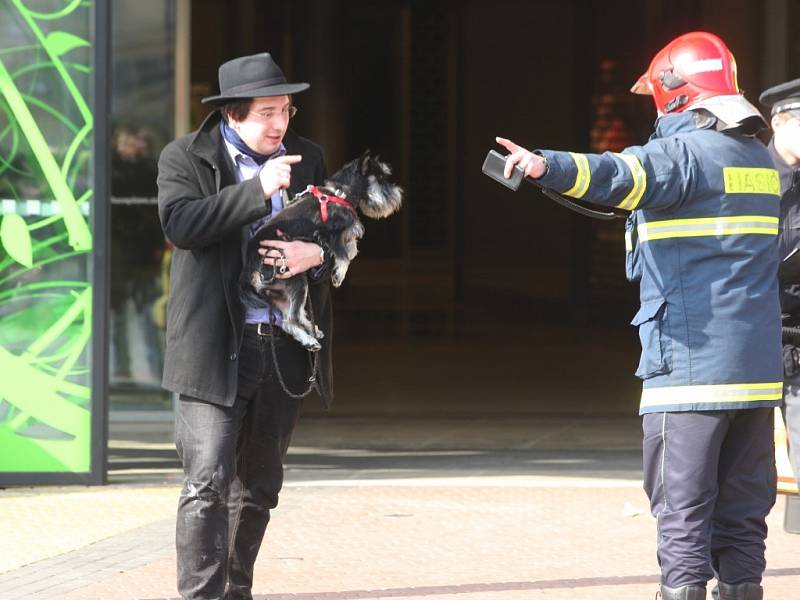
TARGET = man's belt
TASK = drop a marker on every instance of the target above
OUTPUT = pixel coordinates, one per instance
(265, 330)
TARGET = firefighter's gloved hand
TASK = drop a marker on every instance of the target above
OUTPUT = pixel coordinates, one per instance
(532, 164)
(791, 360)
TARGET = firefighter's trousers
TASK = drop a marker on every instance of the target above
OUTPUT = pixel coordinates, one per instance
(711, 480)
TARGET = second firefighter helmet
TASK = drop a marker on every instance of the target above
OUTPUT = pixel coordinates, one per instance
(696, 70)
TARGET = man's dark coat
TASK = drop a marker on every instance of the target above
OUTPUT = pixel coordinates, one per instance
(205, 213)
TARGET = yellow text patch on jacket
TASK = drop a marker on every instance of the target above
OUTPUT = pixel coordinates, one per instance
(744, 180)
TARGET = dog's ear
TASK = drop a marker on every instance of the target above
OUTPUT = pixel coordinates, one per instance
(364, 162)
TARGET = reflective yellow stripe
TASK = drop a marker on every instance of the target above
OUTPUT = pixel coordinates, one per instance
(741, 180)
(707, 226)
(711, 394)
(582, 179)
(639, 176)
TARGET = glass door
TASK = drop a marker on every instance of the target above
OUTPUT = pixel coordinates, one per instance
(143, 91)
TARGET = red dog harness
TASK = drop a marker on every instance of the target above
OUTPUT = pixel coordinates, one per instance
(324, 199)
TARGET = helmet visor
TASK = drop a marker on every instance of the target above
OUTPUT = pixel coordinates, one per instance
(642, 86)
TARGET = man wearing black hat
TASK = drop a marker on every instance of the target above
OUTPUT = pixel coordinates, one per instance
(236, 414)
(784, 102)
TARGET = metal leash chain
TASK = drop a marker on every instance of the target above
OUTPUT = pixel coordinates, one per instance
(313, 356)
(791, 334)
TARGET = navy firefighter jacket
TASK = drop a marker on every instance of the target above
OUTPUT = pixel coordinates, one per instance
(702, 242)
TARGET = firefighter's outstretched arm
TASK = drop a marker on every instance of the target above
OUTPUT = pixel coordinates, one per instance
(639, 177)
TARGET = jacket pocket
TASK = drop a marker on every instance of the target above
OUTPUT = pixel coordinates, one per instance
(652, 322)
(633, 267)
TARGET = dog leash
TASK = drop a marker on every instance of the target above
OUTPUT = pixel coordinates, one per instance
(313, 357)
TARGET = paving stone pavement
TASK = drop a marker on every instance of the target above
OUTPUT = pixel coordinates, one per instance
(496, 509)
(465, 539)
(96, 562)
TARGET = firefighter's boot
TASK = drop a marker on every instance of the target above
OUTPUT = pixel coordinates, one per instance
(686, 592)
(741, 591)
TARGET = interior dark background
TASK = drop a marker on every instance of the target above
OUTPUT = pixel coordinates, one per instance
(474, 296)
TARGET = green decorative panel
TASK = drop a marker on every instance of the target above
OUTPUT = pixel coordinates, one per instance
(46, 180)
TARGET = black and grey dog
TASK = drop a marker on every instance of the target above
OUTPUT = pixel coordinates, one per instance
(327, 216)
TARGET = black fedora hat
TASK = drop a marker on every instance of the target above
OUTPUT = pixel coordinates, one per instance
(252, 77)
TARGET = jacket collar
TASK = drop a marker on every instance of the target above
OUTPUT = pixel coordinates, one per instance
(669, 125)
(206, 142)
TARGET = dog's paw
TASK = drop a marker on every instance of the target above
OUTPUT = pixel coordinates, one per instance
(314, 346)
(318, 333)
(338, 274)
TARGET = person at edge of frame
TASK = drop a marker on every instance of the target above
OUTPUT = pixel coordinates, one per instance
(235, 419)
(784, 102)
(701, 242)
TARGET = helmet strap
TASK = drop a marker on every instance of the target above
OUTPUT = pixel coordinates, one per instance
(676, 103)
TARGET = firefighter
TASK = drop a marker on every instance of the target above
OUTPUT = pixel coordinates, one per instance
(701, 240)
(784, 102)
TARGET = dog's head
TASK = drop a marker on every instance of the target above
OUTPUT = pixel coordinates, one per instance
(365, 183)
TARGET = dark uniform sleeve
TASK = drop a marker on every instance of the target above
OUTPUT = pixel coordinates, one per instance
(657, 176)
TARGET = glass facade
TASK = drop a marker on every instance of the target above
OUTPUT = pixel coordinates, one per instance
(46, 241)
(142, 122)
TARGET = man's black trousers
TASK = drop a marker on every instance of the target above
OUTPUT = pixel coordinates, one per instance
(233, 465)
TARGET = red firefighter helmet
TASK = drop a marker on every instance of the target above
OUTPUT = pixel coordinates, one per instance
(691, 68)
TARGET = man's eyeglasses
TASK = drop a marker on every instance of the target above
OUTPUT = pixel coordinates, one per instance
(286, 113)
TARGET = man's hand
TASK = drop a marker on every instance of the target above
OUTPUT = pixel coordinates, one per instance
(277, 173)
(532, 164)
(297, 257)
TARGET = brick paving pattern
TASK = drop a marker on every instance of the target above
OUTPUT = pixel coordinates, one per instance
(428, 539)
